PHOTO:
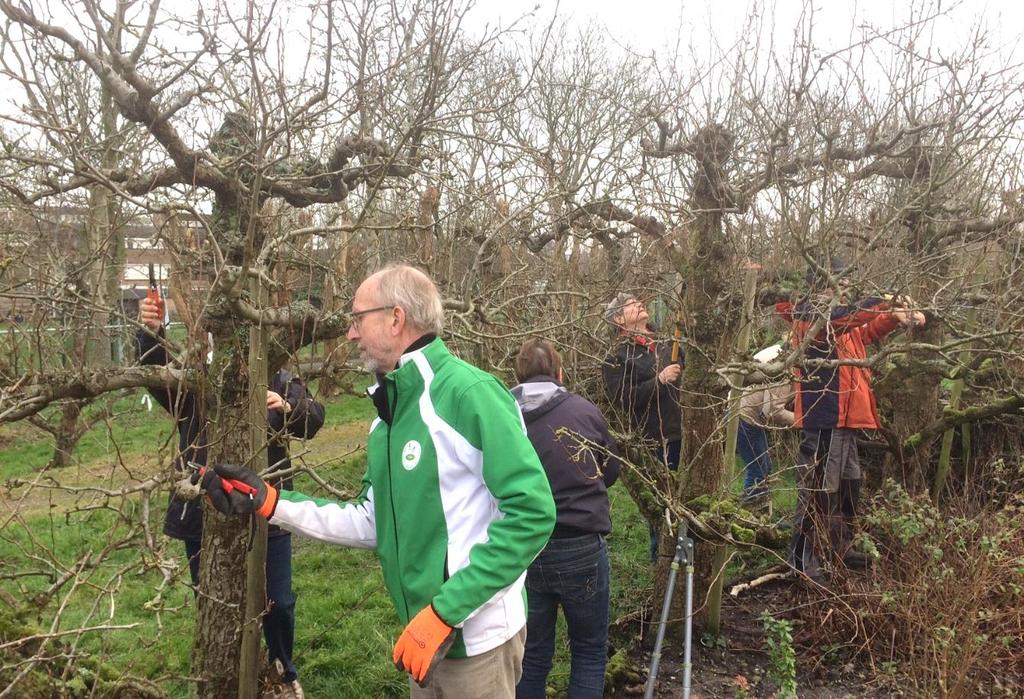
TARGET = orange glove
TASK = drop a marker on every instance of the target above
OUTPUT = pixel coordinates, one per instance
(423, 643)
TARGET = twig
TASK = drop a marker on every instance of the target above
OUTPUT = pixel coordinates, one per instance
(779, 572)
(68, 632)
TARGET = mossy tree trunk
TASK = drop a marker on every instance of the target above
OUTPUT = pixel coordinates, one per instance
(235, 404)
(707, 302)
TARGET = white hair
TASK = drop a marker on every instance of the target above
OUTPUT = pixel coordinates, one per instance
(414, 292)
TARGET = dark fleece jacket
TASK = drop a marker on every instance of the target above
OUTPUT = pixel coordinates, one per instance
(631, 381)
(184, 520)
(579, 456)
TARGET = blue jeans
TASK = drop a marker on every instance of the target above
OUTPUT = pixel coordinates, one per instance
(752, 446)
(574, 573)
(670, 457)
(279, 622)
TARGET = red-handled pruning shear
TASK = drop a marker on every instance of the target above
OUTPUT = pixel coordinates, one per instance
(154, 291)
(228, 484)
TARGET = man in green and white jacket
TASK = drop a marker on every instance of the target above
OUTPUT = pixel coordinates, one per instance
(454, 500)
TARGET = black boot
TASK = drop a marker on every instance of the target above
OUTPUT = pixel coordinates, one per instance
(849, 500)
(855, 560)
(849, 495)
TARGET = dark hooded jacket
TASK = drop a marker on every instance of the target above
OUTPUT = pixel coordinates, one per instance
(184, 520)
(558, 423)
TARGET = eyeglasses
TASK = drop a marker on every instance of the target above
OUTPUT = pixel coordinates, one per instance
(355, 318)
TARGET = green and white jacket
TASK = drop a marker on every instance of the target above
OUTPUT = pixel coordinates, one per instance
(454, 499)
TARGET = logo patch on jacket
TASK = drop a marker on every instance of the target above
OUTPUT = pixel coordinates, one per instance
(411, 454)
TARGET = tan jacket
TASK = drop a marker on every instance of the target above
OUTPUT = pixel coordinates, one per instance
(766, 405)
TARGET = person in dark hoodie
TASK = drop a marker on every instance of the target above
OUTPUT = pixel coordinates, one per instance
(291, 412)
(581, 462)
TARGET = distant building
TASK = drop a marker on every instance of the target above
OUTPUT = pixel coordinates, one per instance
(43, 249)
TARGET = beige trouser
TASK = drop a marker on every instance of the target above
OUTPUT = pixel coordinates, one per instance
(490, 675)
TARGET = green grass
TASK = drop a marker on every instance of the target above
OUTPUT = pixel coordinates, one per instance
(346, 623)
(114, 593)
(345, 630)
(132, 430)
(344, 611)
(347, 409)
(25, 456)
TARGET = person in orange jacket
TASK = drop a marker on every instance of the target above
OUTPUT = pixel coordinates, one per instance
(833, 401)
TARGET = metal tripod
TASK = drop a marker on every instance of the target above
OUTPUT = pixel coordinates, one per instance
(683, 558)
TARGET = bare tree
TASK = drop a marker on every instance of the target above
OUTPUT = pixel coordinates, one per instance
(534, 178)
(304, 139)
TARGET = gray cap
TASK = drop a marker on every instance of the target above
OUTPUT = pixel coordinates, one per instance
(614, 306)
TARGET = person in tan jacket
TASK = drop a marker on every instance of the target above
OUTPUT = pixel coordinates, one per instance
(762, 406)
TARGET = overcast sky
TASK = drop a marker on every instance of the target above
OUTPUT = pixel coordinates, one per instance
(660, 25)
(681, 28)
(679, 31)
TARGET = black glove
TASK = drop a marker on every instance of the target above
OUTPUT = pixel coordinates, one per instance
(235, 490)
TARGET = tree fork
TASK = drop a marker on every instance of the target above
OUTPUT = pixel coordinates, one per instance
(942, 469)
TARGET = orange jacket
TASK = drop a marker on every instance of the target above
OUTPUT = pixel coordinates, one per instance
(837, 397)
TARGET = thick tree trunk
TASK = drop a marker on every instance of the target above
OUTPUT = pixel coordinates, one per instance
(94, 327)
(256, 554)
(709, 330)
(915, 404)
(104, 242)
(915, 396)
(219, 621)
(335, 351)
(222, 579)
(225, 615)
(425, 222)
(703, 439)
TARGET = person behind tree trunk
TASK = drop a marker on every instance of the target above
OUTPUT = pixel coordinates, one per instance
(761, 407)
(832, 404)
(641, 379)
(454, 498)
(581, 461)
(291, 412)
